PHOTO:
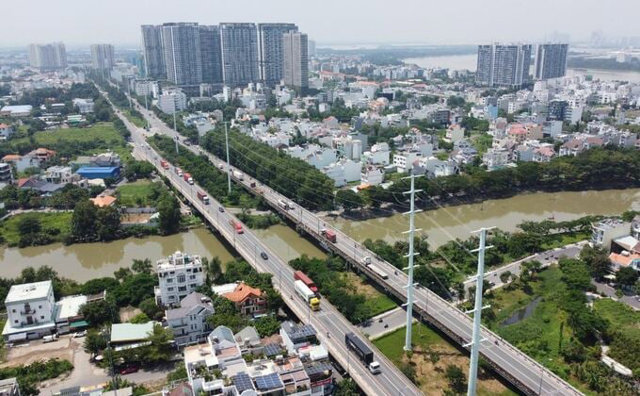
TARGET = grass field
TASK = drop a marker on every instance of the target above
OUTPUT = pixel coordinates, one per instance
(430, 372)
(626, 323)
(136, 194)
(137, 121)
(60, 221)
(376, 301)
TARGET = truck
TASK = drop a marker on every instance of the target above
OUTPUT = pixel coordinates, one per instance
(187, 177)
(203, 197)
(238, 175)
(329, 234)
(164, 164)
(178, 171)
(283, 204)
(366, 260)
(307, 295)
(361, 349)
(236, 226)
(301, 276)
(376, 270)
(50, 338)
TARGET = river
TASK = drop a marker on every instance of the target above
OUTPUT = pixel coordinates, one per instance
(469, 62)
(447, 223)
(82, 262)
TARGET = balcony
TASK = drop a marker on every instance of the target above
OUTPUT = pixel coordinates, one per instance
(27, 311)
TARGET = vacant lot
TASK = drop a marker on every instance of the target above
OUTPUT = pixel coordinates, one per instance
(136, 194)
(60, 221)
(432, 354)
(377, 301)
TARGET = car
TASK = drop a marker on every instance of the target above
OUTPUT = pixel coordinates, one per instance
(220, 209)
(129, 370)
(264, 256)
(80, 334)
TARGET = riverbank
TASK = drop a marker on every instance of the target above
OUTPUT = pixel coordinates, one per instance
(452, 221)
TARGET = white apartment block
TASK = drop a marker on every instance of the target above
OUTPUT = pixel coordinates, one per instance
(172, 100)
(372, 176)
(343, 172)
(495, 158)
(30, 311)
(179, 275)
(405, 160)
(379, 154)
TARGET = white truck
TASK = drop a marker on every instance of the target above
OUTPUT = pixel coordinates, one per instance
(307, 295)
(283, 204)
(366, 260)
(238, 175)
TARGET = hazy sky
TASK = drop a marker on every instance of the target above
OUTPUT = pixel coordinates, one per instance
(80, 22)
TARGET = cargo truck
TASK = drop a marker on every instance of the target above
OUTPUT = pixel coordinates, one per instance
(203, 197)
(301, 276)
(283, 204)
(362, 350)
(187, 177)
(330, 235)
(307, 295)
(164, 164)
(238, 175)
(237, 226)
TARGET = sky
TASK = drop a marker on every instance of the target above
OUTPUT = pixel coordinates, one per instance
(83, 22)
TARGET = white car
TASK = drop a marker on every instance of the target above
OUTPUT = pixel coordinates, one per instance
(374, 367)
(80, 334)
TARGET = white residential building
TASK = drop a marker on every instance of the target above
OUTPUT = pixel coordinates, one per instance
(343, 172)
(454, 133)
(495, 158)
(379, 154)
(189, 322)
(178, 275)
(372, 175)
(60, 175)
(30, 311)
(277, 139)
(84, 105)
(405, 160)
(172, 100)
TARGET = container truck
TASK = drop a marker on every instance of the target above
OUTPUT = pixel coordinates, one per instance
(164, 164)
(238, 175)
(376, 270)
(187, 177)
(307, 295)
(203, 197)
(301, 276)
(236, 226)
(362, 350)
(330, 235)
(178, 171)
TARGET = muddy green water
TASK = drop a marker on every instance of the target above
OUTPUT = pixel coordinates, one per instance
(447, 223)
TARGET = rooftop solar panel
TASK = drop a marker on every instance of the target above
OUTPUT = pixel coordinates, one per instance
(243, 382)
(269, 381)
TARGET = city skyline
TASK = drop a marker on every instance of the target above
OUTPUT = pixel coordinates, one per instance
(376, 22)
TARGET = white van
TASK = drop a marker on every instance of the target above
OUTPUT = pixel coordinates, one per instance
(374, 367)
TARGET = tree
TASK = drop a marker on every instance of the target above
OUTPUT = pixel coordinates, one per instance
(346, 387)
(142, 266)
(267, 325)
(107, 223)
(597, 260)
(348, 199)
(94, 342)
(99, 312)
(29, 225)
(505, 276)
(456, 378)
(160, 349)
(626, 276)
(149, 307)
(140, 318)
(213, 268)
(83, 221)
(169, 210)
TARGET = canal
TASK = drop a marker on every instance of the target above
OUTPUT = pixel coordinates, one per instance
(447, 223)
(82, 262)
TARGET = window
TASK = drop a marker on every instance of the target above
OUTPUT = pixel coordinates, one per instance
(192, 277)
(182, 288)
(14, 311)
(169, 280)
(15, 321)
(169, 288)
(41, 317)
(39, 306)
(181, 278)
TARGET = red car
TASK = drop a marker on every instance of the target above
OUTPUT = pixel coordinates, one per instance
(129, 370)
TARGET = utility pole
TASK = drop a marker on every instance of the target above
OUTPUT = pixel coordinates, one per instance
(477, 314)
(176, 141)
(146, 106)
(129, 92)
(410, 286)
(226, 138)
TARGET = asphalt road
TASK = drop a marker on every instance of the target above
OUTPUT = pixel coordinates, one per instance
(527, 372)
(328, 322)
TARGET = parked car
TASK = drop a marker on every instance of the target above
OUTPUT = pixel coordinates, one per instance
(80, 334)
(129, 370)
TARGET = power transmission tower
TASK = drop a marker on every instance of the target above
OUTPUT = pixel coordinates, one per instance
(477, 313)
(410, 286)
(226, 138)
